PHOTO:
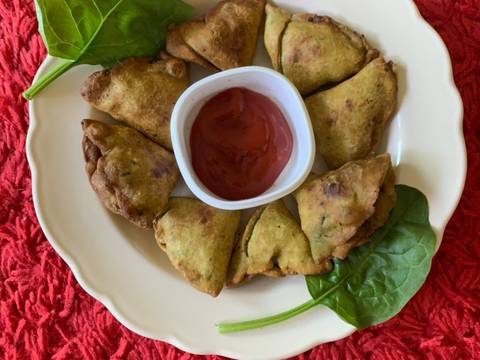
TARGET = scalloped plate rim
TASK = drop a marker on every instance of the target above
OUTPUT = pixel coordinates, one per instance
(177, 340)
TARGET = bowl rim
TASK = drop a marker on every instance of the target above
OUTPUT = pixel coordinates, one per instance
(306, 150)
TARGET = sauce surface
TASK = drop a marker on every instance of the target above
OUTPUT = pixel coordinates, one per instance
(240, 143)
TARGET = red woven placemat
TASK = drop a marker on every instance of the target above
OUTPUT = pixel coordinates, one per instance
(44, 313)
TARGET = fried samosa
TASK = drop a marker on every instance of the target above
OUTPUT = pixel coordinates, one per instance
(198, 240)
(273, 244)
(179, 48)
(276, 21)
(226, 39)
(140, 92)
(132, 175)
(313, 50)
(383, 206)
(349, 119)
(334, 206)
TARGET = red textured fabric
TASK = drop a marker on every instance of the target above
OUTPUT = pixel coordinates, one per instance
(44, 314)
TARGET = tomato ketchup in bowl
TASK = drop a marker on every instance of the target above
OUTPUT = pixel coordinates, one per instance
(242, 138)
(240, 142)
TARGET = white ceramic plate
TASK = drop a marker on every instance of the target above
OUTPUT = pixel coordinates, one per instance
(121, 265)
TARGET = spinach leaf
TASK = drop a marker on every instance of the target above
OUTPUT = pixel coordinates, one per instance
(103, 31)
(377, 279)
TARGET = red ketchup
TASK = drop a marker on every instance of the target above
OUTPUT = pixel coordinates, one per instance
(240, 143)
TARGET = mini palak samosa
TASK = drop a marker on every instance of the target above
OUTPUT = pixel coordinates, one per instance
(132, 175)
(313, 50)
(179, 48)
(140, 92)
(349, 119)
(225, 39)
(383, 206)
(273, 244)
(198, 240)
(335, 205)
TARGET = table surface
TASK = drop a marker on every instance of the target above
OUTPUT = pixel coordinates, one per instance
(45, 314)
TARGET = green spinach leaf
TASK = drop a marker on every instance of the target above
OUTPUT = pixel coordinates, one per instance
(377, 279)
(103, 31)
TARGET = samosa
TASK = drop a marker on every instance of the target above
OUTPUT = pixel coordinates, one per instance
(199, 240)
(225, 39)
(383, 206)
(140, 92)
(334, 206)
(313, 50)
(273, 244)
(276, 21)
(349, 119)
(132, 175)
(179, 48)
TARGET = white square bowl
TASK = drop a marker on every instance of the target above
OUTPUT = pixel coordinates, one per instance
(266, 82)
